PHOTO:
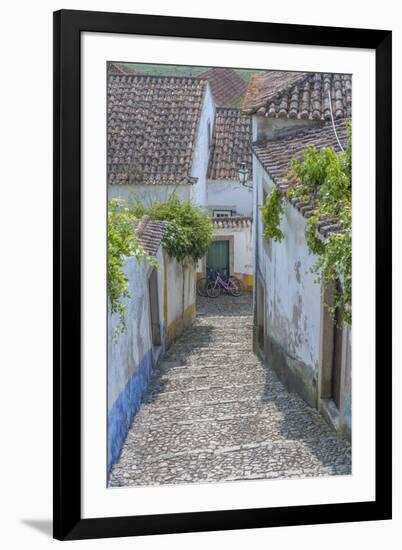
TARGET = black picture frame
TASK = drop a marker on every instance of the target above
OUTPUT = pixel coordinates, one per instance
(68, 522)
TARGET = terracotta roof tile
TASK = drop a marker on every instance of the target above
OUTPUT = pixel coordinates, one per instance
(118, 68)
(150, 234)
(228, 87)
(284, 94)
(231, 145)
(152, 127)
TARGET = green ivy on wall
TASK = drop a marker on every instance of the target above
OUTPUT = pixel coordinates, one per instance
(324, 178)
(121, 244)
(189, 232)
(271, 212)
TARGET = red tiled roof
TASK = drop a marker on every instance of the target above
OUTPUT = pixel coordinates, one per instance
(231, 145)
(118, 68)
(284, 94)
(152, 127)
(150, 234)
(228, 88)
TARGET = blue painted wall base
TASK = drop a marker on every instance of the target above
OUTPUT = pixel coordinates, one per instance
(125, 407)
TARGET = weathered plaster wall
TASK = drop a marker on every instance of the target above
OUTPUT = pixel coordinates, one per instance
(131, 356)
(293, 298)
(295, 316)
(202, 149)
(179, 309)
(229, 195)
(149, 194)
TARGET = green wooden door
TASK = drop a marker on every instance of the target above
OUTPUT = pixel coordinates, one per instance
(218, 257)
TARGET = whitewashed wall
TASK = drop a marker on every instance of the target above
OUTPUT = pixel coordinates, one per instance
(130, 355)
(149, 194)
(229, 195)
(202, 149)
(243, 247)
(180, 307)
(294, 309)
(293, 298)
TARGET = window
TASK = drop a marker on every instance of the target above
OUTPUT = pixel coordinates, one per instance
(222, 213)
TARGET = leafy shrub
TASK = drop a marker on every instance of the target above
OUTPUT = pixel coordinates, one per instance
(189, 232)
(326, 178)
(121, 244)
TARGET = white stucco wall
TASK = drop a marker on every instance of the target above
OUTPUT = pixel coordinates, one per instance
(293, 298)
(149, 194)
(201, 151)
(126, 351)
(225, 195)
(180, 281)
(243, 247)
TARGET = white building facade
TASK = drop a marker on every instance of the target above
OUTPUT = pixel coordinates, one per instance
(295, 333)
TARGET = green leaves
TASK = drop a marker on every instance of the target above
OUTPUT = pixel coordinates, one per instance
(189, 232)
(325, 178)
(271, 212)
(121, 244)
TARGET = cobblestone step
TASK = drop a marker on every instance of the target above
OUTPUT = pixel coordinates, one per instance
(214, 412)
(175, 412)
(214, 434)
(267, 460)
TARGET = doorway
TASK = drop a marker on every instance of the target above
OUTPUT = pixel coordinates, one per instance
(218, 257)
(337, 360)
(154, 308)
(332, 346)
(260, 321)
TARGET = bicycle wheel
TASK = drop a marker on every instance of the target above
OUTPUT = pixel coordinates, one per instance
(202, 286)
(234, 287)
(213, 290)
(239, 282)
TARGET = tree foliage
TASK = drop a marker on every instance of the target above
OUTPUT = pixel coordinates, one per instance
(325, 177)
(121, 244)
(189, 232)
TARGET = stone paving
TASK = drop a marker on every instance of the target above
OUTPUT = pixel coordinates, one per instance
(214, 412)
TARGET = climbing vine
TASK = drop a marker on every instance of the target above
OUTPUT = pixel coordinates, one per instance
(121, 244)
(271, 212)
(189, 231)
(324, 178)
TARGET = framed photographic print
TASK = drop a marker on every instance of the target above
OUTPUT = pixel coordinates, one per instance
(222, 343)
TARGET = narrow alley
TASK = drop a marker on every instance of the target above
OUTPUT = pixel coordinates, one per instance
(214, 412)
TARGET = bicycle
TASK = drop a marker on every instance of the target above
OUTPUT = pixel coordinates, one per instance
(232, 285)
(201, 286)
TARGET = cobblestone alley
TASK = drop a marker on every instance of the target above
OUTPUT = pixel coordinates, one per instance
(214, 412)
